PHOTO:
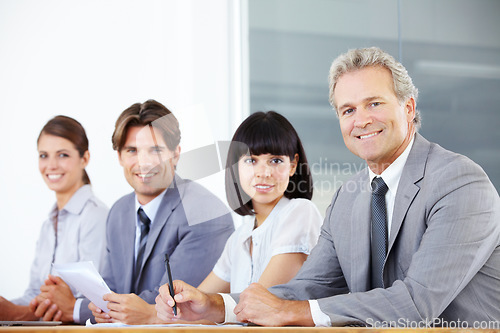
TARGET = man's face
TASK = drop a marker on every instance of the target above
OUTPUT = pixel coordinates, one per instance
(147, 162)
(374, 125)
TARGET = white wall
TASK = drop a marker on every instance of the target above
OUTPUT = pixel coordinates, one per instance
(91, 59)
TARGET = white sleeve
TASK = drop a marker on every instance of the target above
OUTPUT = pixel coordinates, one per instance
(319, 317)
(223, 266)
(297, 228)
(76, 310)
(229, 305)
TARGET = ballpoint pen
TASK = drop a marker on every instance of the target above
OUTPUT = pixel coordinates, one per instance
(170, 282)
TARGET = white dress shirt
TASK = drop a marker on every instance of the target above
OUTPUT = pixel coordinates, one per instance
(293, 226)
(151, 208)
(283, 231)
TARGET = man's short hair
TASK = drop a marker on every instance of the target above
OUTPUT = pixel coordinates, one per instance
(149, 113)
(357, 59)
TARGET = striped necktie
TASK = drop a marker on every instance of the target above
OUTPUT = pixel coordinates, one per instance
(378, 232)
(145, 222)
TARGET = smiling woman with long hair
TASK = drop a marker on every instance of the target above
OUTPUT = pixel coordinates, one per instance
(76, 227)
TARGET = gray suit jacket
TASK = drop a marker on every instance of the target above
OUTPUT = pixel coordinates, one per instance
(444, 254)
(191, 226)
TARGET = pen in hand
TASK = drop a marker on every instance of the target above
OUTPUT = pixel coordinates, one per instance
(170, 282)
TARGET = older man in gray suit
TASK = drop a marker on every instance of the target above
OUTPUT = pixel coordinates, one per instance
(165, 215)
(435, 258)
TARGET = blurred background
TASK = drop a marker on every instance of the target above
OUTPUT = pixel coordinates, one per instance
(214, 62)
(451, 49)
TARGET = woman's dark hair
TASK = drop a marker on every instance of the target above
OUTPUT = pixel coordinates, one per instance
(266, 133)
(69, 129)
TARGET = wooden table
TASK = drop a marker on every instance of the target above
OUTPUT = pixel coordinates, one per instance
(233, 329)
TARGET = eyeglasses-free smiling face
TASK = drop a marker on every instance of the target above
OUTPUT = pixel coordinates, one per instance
(374, 124)
(148, 164)
(265, 178)
(60, 164)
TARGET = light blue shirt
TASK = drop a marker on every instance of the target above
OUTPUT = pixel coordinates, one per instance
(81, 236)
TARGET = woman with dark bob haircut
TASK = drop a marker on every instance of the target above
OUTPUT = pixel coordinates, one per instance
(266, 133)
(268, 181)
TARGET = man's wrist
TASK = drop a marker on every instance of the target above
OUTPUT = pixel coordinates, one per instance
(297, 313)
(216, 308)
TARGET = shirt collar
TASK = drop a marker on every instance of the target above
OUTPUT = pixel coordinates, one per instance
(393, 173)
(248, 229)
(151, 208)
(75, 203)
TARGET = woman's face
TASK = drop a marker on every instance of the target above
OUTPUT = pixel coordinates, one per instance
(60, 164)
(265, 177)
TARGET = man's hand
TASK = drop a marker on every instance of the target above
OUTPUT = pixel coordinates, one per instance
(99, 314)
(192, 304)
(126, 308)
(55, 302)
(257, 305)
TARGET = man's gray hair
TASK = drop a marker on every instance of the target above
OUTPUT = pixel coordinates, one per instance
(356, 59)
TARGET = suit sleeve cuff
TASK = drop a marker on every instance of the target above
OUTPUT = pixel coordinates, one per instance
(319, 317)
(76, 310)
(229, 305)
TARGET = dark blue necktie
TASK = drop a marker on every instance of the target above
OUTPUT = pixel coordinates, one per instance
(379, 232)
(145, 222)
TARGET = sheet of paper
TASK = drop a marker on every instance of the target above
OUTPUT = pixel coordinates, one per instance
(84, 277)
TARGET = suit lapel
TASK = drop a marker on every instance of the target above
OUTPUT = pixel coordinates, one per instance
(128, 243)
(407, 189)
(169, 202)
(360, 233)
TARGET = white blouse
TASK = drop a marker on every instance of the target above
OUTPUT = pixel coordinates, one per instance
(81, 236)
(293, 226)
